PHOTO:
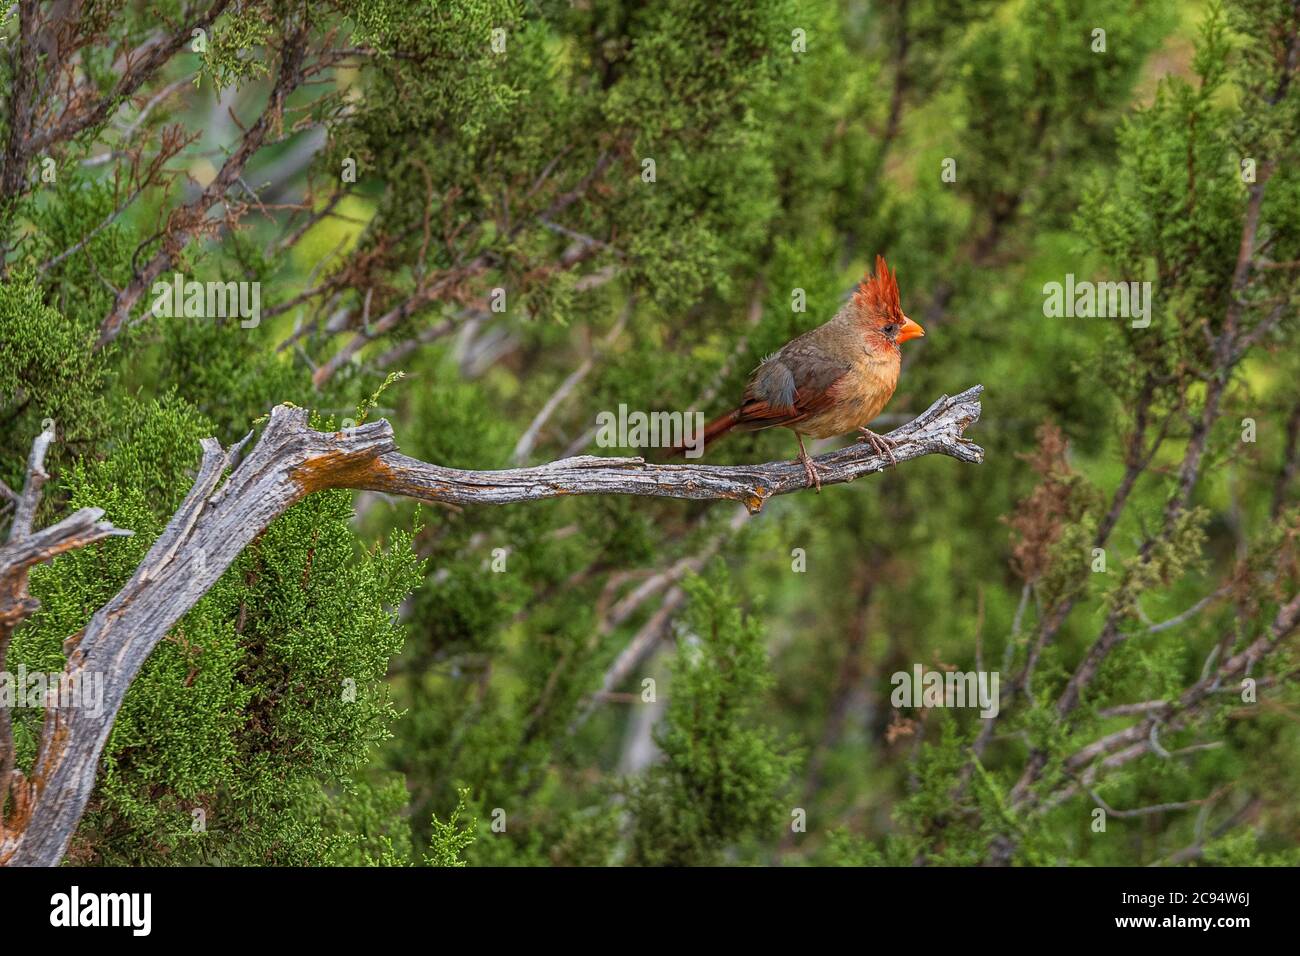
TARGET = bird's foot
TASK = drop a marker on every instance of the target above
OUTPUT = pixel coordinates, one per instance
(879, 444)
(810, 470)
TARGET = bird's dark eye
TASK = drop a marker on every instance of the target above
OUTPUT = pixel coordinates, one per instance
(891, 330)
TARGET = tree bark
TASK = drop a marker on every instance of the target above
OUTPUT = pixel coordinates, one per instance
(290, 461)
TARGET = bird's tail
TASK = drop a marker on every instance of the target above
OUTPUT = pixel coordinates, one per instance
(712, 432)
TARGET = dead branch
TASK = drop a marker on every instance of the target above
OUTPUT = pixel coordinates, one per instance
(219, 518)
(192, 218)
(22, 551)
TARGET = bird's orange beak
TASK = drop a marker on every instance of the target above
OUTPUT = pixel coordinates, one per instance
(910, 330)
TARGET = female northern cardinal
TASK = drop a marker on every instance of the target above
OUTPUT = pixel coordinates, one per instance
(833, 379)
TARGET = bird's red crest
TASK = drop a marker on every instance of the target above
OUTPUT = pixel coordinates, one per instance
(878, 293)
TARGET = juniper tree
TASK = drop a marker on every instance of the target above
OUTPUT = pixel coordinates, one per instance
(1155, 601)
(540, 211)
(97, 210)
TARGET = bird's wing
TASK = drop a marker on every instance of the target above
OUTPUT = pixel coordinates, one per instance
(790, 386)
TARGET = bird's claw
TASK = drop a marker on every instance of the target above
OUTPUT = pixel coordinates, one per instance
(810, 470)
(879, 444)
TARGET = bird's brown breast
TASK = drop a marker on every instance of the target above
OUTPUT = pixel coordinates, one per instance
(857, 397)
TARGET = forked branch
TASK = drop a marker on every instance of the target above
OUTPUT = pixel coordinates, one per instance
(234, 500)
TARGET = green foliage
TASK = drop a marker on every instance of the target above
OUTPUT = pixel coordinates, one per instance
(48, 369)
(450, 838)
(722, 779)
(368, 663)
(272, 685)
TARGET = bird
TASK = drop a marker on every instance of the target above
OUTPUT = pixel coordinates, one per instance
(833, 379)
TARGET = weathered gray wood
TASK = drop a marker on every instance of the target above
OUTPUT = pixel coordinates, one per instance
(938, 430)
(219, 518)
